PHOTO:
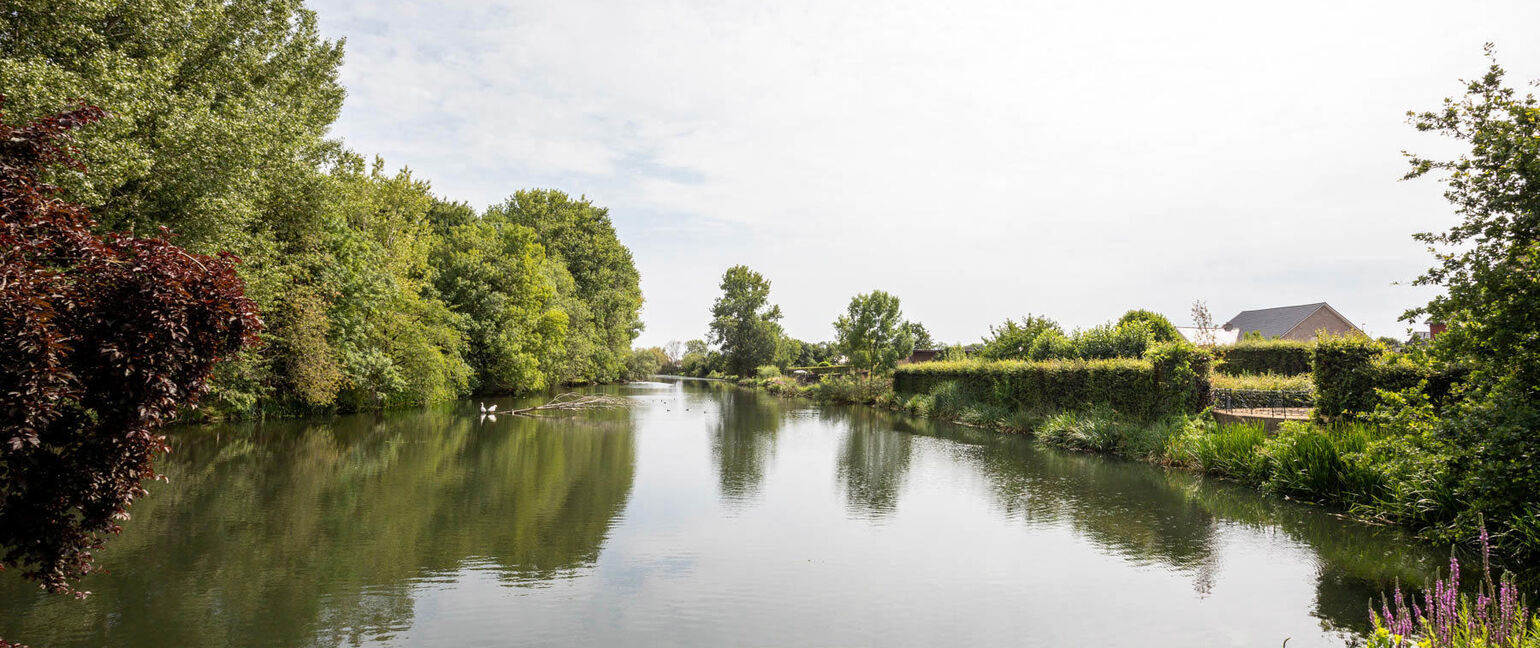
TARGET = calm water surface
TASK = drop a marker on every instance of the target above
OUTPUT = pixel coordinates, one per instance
(706, 515)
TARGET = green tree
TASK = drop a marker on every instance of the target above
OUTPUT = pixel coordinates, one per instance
(873, 333)
(921, 335)
(1014, 341)
(644, 363)
(743, 322)
(1483, 448)
(494, 277)
(215, 107)
(605, 316)
(1158, 326)
(398, 344)
(1491, 299)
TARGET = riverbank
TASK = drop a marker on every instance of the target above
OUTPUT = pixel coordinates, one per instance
(1361, 469)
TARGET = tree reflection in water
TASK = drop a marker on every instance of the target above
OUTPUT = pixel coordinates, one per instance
(292, 534)
(743, 435)
(873, 460)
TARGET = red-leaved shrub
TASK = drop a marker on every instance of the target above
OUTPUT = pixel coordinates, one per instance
(102, 339)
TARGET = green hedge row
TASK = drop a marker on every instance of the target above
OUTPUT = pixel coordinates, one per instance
(1171, 378)
(1348, 370)
(1284, 357)
(822, 370)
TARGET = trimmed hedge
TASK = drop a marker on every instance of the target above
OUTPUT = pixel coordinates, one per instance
(1285, 357)
(823, 370)
(1172, 378)
(1348, 370)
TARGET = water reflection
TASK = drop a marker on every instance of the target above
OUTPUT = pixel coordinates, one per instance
(873, 460)
(290, 535)
(867, 528)
(743, 435)
(1148, 514)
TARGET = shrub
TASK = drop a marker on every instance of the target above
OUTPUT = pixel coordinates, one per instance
(767, 371)
(1159, 328)
(1106, 341)
(102, 340)
(784, 386)
(1051, 345)
(850, 389)
(1286, 357)
(1349, 370)
(1344, 375)
(1012, 341)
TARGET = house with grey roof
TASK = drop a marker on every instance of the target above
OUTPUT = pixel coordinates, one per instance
(1301, 322)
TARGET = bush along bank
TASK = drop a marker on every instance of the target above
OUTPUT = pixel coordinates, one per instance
(1386, 456)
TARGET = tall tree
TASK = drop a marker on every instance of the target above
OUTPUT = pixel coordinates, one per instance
(921, 335)
(216, 106)
(1491, 258)
(1489, 268)
(493, 276)
(579, 236)
(873, 332)
(102, 339)
(743, 322)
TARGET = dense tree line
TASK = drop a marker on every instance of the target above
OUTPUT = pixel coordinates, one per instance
(374, 291)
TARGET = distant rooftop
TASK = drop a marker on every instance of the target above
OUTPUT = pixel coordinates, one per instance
(1272, 322)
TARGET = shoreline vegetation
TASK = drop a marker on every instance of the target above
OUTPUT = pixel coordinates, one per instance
(182, 230)
(1352, 459)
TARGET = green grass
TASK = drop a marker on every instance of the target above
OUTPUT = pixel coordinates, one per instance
(1324, 462)
(1230, 450)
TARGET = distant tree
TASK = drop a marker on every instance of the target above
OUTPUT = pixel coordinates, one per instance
(922, 338)
(873, 333)
(102, 340)
(673, 351)
(1013, 341)
(743, 322)
(644, 363)
(788, 351)
(1204, 322)
(1159, 328)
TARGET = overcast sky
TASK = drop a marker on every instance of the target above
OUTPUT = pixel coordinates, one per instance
(981, 160)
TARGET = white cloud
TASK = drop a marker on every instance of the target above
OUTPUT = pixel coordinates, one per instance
(979, 159)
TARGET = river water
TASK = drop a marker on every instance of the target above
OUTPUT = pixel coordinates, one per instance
(704, 515)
